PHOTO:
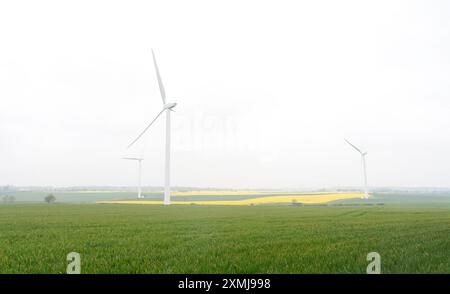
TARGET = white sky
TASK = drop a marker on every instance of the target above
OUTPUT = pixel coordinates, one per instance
(267, 90)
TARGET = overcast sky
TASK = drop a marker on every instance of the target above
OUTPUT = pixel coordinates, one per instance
(267, 90)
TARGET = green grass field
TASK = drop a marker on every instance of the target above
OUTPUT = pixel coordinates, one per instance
(35, 238)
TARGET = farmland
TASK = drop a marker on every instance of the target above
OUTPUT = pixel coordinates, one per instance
(414, 238)
(420, 199)
(261, 200)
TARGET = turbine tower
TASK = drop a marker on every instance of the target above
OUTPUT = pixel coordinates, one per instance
(140, 172)
(167, 107)
(363, 163)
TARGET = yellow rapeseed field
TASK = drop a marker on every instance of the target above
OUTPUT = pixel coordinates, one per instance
(305, 199)
(239, 193)
(217, 193)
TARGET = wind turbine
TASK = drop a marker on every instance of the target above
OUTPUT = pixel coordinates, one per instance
(140, 172)
(363, 163)
(167, 107)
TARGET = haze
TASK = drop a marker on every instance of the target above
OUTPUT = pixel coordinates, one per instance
(266, 90)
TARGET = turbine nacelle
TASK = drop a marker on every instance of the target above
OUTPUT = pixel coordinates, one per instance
(133, 158)
(170, 106)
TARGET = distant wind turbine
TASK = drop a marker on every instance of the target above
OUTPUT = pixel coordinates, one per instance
(167, 107)
(363, 163)
(140, 172)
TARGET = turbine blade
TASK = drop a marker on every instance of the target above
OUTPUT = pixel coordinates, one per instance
(353, 146)
(160, 83)
(145, 130)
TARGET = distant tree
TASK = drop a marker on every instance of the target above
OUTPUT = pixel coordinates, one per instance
(50, 198)
(8, 199)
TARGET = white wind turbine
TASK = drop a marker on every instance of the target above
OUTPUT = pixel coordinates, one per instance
(139, 160)
(167, 107)
(363, 163)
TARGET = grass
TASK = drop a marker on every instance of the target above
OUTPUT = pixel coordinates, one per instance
(35, 238)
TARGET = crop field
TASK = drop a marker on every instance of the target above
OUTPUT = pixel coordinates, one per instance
(428, 199)
(35, 238)
(261, 200)
(180, 196)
